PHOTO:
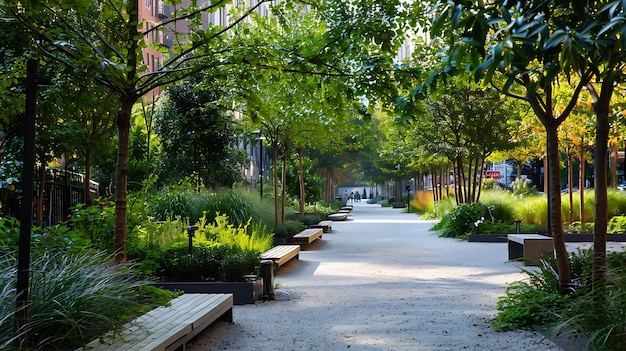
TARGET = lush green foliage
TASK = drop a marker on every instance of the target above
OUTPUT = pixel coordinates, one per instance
(523, 188)
(465, 219)
(74, 297)
(307, 219)
(288, 229)
(538, 301)
(617, 225)
(197, 134)
(502, 209)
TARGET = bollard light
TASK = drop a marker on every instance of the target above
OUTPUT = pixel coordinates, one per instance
(190, 233)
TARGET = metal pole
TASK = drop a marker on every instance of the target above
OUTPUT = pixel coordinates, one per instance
(23, 258)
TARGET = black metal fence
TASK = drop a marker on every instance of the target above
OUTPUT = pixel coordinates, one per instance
(63, 190)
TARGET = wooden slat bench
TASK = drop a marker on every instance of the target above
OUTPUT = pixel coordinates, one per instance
(281, 254)
(530, 247)
(338, 216)
(307, 236)
(326, 226)
(346, 208)
(168, 328)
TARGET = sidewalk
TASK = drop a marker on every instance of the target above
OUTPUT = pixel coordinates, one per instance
(381, 281)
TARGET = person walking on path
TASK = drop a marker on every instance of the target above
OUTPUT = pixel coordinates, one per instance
(357, 196)
(381, 281)
(352, 197)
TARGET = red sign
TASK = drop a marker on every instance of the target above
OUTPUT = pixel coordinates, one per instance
(492, 174)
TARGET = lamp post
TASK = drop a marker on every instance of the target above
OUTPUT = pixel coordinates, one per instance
(26, 219)
(261, 138)
(408, 197)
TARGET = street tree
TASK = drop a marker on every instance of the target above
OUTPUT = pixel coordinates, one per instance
(523, 42)
(104, 40)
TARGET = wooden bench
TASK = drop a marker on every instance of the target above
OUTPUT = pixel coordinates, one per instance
(281, 254)
(168, 328)
(326, 226)
(530, 247)
(338, 216)
(307, 236)
(346, 208)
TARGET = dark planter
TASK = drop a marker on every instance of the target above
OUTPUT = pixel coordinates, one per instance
(282, 241)
(487, 238)
(243, 292)
(588, 238)
(570, 238)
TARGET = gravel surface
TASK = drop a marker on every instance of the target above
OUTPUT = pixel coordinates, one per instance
(381, 281)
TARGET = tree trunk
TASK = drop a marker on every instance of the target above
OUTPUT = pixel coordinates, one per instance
(301, 179)
(546, 181)
(556, 221)
(570, 182)
(275, 175)
(602, 108)
(613, 162)
(127, 99)
(582, 184)
(121, 177)
(460, 181)
(283, 186)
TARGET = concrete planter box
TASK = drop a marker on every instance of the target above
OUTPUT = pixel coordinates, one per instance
(243, 292)
(570, 238)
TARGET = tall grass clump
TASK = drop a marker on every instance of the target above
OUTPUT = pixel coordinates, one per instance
(501, 205)
(617, 202)
(440, 208)
(232, 204)
(422, 202)
(533, 210)
(74, 298)
(589, 206)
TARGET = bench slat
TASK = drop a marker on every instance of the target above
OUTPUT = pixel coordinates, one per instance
(281, 254)
(325, 225)
(167, 328)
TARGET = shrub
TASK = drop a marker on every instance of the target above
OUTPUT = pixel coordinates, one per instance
(617, 225)
(74, 297)
(323, 208)
(523, 188)
(398, 204)
(464, 220)
(288, 229)
(538, 302)
(204, 264)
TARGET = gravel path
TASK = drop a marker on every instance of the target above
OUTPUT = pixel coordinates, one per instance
(381, 281)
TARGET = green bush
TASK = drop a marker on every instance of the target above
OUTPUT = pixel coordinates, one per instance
(398, 204)
(307, 219)
(384, 203)
(323, 208)
(74, 298)
(538, 302)
(617, 225)
(204, 264)
(523, 188)
(288, 229)
(465, 219)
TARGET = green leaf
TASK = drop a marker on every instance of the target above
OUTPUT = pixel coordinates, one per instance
(555, 39)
